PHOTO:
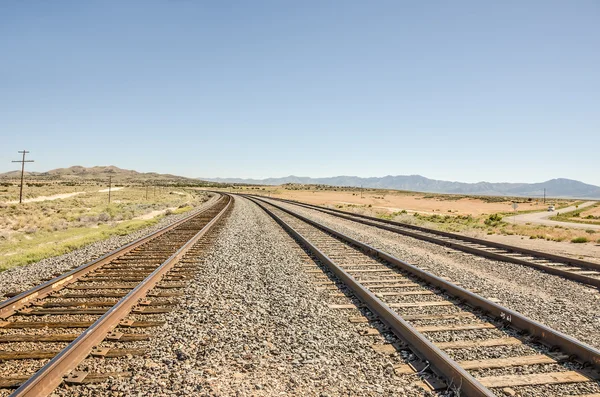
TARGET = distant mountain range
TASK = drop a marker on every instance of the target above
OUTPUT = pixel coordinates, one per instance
(554, 188)
(100, 173)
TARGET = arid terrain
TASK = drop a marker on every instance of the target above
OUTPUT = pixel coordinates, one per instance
(56, 217)
(485, 217)
(391, 201)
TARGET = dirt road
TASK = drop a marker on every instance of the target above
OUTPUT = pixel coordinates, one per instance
(541, 218)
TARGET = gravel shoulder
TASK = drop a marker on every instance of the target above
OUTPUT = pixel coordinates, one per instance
(25, 277)
(253, 324)
(562, 304)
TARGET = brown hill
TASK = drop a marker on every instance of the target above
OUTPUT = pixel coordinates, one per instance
(79, 173)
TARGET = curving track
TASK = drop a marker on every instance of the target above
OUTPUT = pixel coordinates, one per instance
(475, 345)
(571, 268)
(47, 331)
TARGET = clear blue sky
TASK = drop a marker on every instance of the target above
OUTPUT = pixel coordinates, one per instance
(457, 90)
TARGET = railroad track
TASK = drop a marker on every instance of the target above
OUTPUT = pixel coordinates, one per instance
(571, 268)
(99, 309)
(475, 346)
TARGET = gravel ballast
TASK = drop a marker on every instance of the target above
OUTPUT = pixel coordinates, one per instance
(252, 324)
(564, 305)
(24, 277)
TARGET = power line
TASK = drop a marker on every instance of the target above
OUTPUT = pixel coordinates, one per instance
(22, 171)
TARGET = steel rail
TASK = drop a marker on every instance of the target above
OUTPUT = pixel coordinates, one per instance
(440, 362)
(50, 376)
(549, 337)
(12, 305)
(473, 250)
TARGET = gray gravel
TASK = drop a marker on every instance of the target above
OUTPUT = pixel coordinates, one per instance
(25, 277)
(252, 323)
(562, 304)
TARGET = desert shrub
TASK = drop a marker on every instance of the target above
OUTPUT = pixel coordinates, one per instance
(31, 230)
(60, 224)
(169, 212)
(493, 220)
(104, 217)
(590, 231)
(579, 240)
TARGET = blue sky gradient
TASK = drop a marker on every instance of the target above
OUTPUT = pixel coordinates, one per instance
(465, 90)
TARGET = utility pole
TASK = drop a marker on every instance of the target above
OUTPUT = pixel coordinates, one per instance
(361, 191)
(109, 186)
(146, 192)
(22, 171)
(544, 195)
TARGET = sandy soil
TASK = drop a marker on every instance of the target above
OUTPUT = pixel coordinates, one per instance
(47, 198)
(114, 189)
(595, 211)
(398, 202)
(58, 196)
(153, 214)
(416, 203)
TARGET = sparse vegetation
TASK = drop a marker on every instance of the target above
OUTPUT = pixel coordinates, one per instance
(579, 216)
(493, 220)
(52, 244)
(474, 215)
(33, 231)
(579, 240)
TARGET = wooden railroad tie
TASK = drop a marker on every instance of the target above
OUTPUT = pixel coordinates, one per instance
(73, 324)
(76, 377)
(494, 363)
(550, 378)
(362, 319)
(65, 338)
(43, 354)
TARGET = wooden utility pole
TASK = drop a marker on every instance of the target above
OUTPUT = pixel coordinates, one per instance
(146, 192)
(109, 186)
(22, 171)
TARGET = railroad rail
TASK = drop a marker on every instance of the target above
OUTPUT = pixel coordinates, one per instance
(77, 312)
(571, 268)
(477, 346)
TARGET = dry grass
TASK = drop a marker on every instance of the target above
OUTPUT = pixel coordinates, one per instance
(453, 213)
(391, 201)
(589, 215)
(33, 231)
